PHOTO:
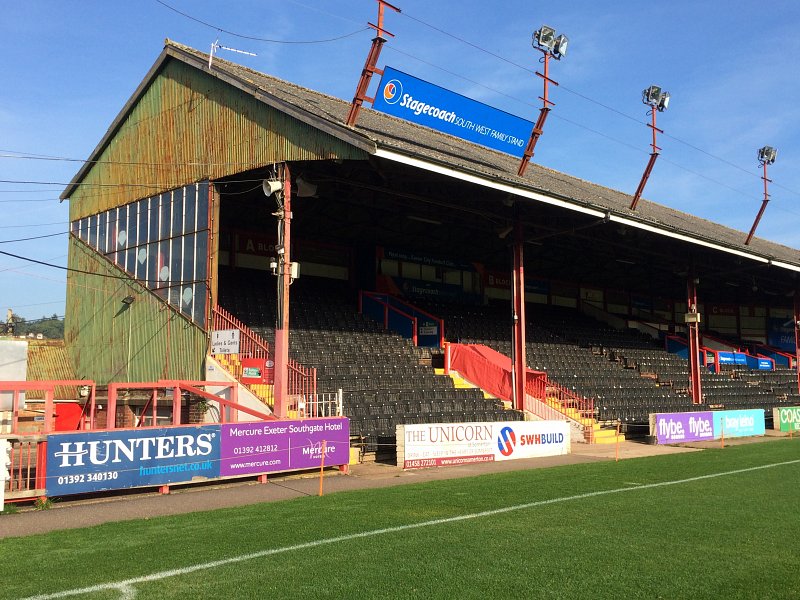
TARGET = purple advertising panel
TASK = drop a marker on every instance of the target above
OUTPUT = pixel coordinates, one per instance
(272, 446)
(672, 428)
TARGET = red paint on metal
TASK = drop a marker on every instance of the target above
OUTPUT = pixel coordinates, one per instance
(538, 128)
(797, 336)
(650, 163)
(520, 361)
(370, 64)
(694, 342)
(763, 206)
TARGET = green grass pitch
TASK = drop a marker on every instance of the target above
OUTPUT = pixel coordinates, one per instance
(598, 530)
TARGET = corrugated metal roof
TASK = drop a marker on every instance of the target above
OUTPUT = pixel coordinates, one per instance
(48, 360)
(376, 131)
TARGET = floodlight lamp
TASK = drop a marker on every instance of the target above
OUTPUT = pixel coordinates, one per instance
(561, 46)
(652, 95)
(663, 102)
(545, 38)
(767, 155)
(128, 300)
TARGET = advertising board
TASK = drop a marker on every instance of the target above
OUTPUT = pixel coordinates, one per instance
(786, 418)
(673, 428)
(450, 444)
(273, 446)
(739, 423)
(424, 103)
(78, 463)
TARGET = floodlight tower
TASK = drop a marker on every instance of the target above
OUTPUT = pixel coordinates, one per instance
(548, 43)
(369, 66)
(766, 156)
(658, 101)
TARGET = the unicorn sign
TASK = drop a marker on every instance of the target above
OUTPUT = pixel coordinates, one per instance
(418, 101)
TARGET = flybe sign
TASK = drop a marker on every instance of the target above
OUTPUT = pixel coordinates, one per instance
(418, 101)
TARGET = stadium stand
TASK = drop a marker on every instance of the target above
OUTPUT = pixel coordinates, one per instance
(385, 380)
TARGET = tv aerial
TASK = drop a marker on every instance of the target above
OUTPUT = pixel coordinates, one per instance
(217, 46)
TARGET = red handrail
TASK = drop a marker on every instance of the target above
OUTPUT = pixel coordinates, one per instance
(302, 380)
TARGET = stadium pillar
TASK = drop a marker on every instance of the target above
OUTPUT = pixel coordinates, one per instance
(281, 388)
(797, 336)
(518, 294)
(693, 326)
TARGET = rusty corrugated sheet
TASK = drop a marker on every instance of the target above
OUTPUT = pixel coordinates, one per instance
(111, 341)
(189, 126)
(48, 360)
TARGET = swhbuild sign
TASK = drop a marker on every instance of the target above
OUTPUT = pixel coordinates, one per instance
(450, 444)
(106, 460)
(424, 103)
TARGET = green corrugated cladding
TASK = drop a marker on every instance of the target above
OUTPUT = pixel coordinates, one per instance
(111, 341)
(188, 126)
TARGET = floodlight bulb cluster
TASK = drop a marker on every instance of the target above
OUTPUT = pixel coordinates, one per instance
(767, 155)
(545, 39)
(656, 97)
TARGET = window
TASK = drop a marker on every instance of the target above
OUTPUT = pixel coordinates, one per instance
(162, 241)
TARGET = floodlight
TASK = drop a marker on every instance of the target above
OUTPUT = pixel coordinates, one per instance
(663, 102)
(767, 155)
(561, 46)
(652, 95)
(545, 37)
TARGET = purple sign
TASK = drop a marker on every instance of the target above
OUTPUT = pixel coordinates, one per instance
(672, 428)
(272, 446)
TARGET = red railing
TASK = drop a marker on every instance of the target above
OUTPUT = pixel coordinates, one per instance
(557, 402)
(28, 467)
(301, 380)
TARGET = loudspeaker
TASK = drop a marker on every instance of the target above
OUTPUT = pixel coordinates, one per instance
(270, 186)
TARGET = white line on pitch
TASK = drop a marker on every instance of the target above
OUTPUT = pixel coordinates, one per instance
(126, 587)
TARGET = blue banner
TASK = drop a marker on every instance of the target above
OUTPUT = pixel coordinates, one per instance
(738, 423)
(418, 101)
(123, 458)
(780, 334)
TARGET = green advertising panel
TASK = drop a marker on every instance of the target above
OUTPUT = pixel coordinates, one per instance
(786, 418)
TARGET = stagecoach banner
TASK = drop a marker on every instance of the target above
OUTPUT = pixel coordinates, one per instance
(429, 105)
(78, 463)
(261, 447)
(450, 444)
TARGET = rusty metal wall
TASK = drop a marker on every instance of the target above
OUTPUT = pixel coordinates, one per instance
(49, 360)
(188, 126)
(109, 340)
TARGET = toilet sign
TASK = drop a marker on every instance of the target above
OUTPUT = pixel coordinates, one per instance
(225, 341)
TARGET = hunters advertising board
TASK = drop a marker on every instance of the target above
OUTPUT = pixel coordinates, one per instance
(272, 446)
(424, 103)
(78, 463)
(450, 444)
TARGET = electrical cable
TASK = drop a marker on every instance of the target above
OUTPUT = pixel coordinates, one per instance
(582, 96)
(104, 275)
(255, 38)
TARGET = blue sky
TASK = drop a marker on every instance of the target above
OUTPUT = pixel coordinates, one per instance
(730, 67)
